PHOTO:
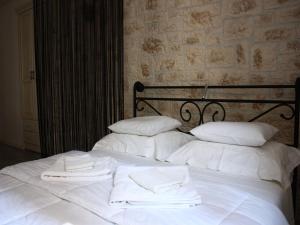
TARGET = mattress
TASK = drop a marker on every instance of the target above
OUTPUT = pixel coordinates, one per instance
(26, 199)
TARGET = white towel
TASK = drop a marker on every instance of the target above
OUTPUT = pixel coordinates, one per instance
(128, 194)
(103, 169)
(79, 162)
(161, 179)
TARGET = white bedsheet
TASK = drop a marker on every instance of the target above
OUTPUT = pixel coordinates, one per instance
(226, 200)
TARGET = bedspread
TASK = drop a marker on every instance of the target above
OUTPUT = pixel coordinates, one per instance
(222, 204)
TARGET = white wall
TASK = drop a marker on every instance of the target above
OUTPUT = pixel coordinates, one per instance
(11, 124)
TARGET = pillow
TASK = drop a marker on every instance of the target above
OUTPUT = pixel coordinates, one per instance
(159, 146)
(127, 143)
(145, 126)
(235, 133)
(168, 142)
(273, 161)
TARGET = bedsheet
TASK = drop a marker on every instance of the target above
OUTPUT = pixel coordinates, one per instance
(226, 200)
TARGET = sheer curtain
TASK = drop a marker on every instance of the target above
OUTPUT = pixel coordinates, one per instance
(79, 60)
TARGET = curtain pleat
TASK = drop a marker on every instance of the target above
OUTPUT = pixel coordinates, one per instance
(79, 65)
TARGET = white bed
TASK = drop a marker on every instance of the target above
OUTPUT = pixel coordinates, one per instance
(235, 199)
(26, 200)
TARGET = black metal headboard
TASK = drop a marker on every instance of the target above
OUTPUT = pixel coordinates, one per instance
(201, 104)
(293, 105)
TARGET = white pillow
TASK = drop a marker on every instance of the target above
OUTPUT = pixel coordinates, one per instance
(235, 133)
(146, 126)
(159, 146)
(127, 143)
(273, 161)
(168, 142)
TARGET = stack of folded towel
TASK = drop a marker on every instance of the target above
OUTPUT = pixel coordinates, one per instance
(79, 162)
(157, 187)
(80, 168)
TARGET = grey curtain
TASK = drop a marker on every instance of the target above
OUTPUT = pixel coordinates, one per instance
(79, 65)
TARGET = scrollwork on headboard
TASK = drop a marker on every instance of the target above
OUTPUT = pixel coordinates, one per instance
(219, 112)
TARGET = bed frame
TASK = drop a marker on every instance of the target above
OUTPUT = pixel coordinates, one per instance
(201, 104)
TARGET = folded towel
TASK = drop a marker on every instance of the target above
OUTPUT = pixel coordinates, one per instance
(127, 193)
(78, 162)
(102, 169)
(161, 179)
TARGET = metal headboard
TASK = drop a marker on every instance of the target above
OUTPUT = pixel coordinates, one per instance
(140, 102)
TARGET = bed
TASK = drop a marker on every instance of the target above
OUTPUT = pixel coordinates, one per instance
(227, 199)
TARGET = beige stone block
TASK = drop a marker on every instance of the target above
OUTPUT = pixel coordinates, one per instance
(202, 2)
(177, 4)
(288, 15)
(173, 43)
(220, 56)
(290, 46)
(289, 62)
(194, 38)
(168, 77)
(129, 9)
(128, 104)
(257, 78)
(129, 13)
(176, 12)
(144, 80)
(263, 57)
(241, 7)
(172, 24)
(152, 5)
(146, 69)
(275, 34)
(238, 28)
(174, 48)
(132, 43)
(214, 37)
(152, 27)
(270, 4)
(242, 54)
(264, 20)
(194, 57)
(128, 56)
(149, 16)
(229, 79)
(227, 76)
(133, 27)
(202, 17)
(169, 63)
(174, 37)
(153, 45)
(181, 3)
(131, 65)
(195, 77)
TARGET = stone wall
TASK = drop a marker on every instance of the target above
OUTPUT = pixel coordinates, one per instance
(196, 42)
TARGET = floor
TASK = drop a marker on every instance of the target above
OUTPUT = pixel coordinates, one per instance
(10, 155)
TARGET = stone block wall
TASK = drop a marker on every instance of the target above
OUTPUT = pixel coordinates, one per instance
(197, 42)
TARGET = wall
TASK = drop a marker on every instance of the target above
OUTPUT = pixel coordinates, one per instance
(11, 127)
(210, 41)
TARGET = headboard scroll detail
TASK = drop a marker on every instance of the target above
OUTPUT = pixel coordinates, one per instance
(202, 104)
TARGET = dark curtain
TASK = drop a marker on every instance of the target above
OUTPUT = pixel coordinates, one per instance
(79, 66)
